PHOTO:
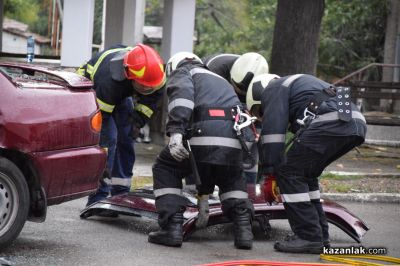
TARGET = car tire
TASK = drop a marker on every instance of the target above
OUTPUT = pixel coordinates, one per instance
(14, 202)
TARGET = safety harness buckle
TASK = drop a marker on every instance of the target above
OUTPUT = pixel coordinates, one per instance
(308, 116)
(242, 120)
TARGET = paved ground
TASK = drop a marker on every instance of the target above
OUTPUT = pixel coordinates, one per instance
(64, 240)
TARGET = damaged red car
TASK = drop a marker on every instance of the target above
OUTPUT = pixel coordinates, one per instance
(49, 133)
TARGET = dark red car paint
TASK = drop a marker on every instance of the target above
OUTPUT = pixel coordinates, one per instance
(45, 119)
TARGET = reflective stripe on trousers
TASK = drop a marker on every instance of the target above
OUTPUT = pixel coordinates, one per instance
(126, 182)
(236, 194)
(301, 197)
(164, 191)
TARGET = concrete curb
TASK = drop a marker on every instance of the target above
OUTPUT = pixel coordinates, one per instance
(363, 197)
(365, 174)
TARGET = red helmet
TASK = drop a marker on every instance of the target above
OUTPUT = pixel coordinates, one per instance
(145, 66)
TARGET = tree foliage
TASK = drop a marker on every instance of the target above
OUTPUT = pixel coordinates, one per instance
(352, 33)
(234, 26)
(22, 10)
(97, 23)
(352, 36)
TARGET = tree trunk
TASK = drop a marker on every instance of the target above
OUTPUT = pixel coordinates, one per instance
(391, 53)
(391, 39)
(296, 36)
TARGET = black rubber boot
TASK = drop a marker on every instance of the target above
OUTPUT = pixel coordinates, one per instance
(170, 235)
(294, 244)
(327, 243)
(243, 229)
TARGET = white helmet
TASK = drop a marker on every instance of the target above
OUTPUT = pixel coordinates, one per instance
(246, 67)
(256, 87)
(177, 58)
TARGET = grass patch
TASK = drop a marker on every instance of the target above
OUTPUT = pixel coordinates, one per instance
(141, 181)
(331, 176)
(341, 188)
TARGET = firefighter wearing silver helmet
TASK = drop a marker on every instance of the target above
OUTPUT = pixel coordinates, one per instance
(199, 99)
(326, 125)
(239, 70)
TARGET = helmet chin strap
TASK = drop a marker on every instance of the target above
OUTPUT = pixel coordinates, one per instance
(237, 90)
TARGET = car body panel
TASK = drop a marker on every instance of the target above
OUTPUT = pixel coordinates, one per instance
(77, 170)
(141, 202)
(46, 115)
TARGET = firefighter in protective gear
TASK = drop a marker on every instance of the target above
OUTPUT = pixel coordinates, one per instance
(326, 125)
(239, 70)
(120, 76)
(201, 101)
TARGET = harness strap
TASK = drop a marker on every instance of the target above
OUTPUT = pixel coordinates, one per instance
(321, 97)
(344, 103)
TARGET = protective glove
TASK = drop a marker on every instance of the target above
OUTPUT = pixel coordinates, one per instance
(135, 131)
(204, 211)
(106, 177)
(176, 147)
(137, 123)
(271, 189)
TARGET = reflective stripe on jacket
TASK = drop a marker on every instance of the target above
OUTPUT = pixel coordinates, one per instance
(191, 87)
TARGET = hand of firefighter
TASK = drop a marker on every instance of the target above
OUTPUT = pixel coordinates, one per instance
(136, 121)
(204, 210)
(271, 189)
(176, 147)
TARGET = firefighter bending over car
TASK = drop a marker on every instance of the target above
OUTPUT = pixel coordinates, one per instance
(120, 74)
(239, 70)
(326, 125)
(200, 104)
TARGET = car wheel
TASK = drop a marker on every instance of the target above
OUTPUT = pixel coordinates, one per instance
(14, 201)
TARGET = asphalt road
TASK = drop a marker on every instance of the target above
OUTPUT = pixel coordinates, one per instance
(65, 239)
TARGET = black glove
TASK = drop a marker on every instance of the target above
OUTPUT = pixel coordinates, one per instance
(105, 179)
(137, 123)
(135, 131)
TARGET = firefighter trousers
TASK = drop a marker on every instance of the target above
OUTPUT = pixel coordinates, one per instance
(297, 179)
(115, 136)
(168, 174)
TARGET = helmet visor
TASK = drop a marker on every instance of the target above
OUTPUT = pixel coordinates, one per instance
(142, 89)
(145, 90)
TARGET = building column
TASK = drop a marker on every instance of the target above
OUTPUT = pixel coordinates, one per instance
(178, 27)
(124, 21)
(77, 32)
(132, 31)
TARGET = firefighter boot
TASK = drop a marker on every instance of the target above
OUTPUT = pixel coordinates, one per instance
(242, 229)
(294, 244)
(171, 234)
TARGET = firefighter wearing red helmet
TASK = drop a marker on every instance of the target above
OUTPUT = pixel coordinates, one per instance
(128, 82)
